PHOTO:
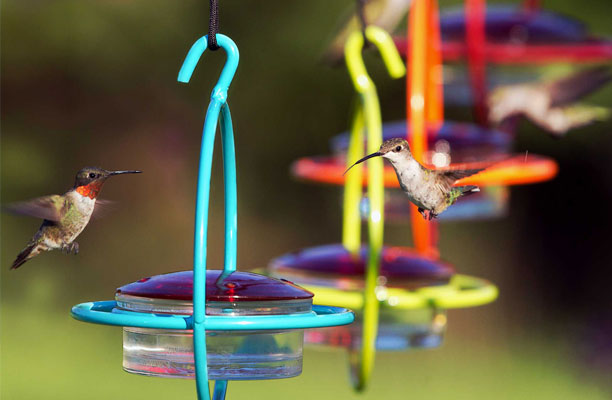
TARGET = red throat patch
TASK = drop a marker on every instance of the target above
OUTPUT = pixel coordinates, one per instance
(91, 190)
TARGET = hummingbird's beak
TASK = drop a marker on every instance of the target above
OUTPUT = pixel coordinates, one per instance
(377, 154)
(124, 172)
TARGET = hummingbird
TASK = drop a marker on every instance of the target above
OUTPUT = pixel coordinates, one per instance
(65, 216)
(551, 105)
(430, 190)
(386, 14)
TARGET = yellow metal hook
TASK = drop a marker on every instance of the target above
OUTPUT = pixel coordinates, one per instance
(388, 52)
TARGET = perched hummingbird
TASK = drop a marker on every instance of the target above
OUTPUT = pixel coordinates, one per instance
(551, 105)
(429, 189)
(65, 216)
(386, 14)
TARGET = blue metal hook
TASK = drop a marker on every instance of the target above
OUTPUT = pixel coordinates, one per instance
(218, 106)
(229, 69)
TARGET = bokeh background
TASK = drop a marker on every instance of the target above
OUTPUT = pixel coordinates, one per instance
(94, 83)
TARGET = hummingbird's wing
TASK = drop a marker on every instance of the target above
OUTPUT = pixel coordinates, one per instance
(102, 208)
(574, 87)
(558, 121)
(446, 179)
(48, 207)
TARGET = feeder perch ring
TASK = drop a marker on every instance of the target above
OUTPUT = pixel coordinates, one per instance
(462, 291)
(518, 170)
(107, 313)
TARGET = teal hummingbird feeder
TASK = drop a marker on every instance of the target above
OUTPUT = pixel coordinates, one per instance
(218, 324)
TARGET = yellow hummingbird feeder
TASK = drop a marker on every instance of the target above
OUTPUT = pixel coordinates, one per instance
(399, 296)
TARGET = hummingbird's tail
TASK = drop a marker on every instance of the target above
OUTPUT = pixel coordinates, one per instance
(27, 253)
(460, 191)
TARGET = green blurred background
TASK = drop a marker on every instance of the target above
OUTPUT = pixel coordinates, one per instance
(94, 83)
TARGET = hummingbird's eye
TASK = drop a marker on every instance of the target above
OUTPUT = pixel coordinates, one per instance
(92, 175)
(398, 149)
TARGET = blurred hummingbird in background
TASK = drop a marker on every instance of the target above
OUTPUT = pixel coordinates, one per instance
(386, 14)
(551, 105)
(65, 216)
(431, 190)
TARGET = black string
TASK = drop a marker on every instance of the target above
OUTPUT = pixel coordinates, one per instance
(362, 20)
(213, 25)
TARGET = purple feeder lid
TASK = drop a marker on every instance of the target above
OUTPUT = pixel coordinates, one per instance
(333, 265)
(509, 23)
(237, 287)
(460, 136)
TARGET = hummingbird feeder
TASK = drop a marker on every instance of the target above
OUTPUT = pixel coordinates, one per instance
(414, 293)
(220, 325)
(438, 143)
(399, 296)
(242, 355)
(511, 35)
(517, 34)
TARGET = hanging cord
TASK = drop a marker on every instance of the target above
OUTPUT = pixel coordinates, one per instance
(362, 21)
(213, 25)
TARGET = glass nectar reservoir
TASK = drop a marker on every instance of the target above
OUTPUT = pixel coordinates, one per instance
(231, 355)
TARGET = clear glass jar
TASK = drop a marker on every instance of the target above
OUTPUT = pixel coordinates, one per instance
(397, 330)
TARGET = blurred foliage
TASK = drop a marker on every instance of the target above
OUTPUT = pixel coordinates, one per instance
(94, 83)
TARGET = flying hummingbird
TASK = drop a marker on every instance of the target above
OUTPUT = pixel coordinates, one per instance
(551, 105)
(65, 216)
(430, 190)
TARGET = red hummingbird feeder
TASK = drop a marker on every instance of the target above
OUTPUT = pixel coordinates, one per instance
(516, 34)
(511, 34)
